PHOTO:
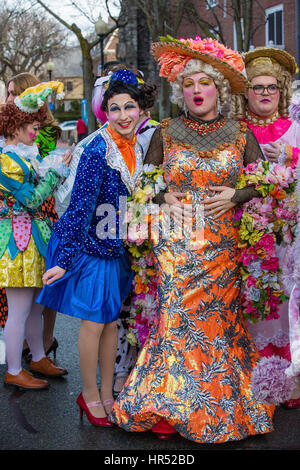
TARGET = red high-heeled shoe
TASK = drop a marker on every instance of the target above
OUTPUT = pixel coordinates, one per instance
(84, 407)
(291, 404)
(163, 430)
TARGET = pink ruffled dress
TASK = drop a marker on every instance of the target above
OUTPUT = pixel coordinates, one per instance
(272, 336)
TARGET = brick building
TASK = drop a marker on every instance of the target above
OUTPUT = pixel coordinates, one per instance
(274, 23)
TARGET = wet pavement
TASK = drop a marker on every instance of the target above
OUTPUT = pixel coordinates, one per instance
(49, 419)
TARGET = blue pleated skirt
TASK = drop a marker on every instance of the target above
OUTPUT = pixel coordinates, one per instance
(93, 290)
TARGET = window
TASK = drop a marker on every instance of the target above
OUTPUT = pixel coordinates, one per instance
(69, 86)
(274, 26)
(211, 4)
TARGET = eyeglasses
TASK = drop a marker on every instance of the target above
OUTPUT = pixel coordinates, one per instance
(260, 89)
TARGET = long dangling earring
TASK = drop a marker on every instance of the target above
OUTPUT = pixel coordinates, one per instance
(185, 109)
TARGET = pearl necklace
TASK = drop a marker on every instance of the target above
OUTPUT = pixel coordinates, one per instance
(260, 121)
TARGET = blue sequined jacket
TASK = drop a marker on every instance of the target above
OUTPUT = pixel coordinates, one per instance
(92, 222)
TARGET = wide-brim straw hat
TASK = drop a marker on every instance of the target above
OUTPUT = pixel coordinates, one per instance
(282, 57)
(173, 55)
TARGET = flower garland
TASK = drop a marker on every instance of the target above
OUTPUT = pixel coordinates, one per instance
(264, 223)
(143, 304)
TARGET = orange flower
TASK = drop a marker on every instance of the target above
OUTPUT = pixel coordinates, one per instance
(235, 60)
(141, 288)
(278, 193)
(171, 65)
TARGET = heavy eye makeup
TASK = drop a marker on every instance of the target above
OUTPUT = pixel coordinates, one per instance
(206, 81)
(187, 83)
(115, 107)
(201, 81)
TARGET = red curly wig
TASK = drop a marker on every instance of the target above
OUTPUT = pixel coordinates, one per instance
(12, 118)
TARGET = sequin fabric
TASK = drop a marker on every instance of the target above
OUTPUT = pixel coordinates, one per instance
(195, 368)
(46, 142)
(205, 146)
(25, 270)
(102, 182)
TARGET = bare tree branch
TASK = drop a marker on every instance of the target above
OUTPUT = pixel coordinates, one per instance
(86, 45)
(19, 49)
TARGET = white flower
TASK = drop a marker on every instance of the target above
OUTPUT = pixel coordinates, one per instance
(159, 184)
(148, 168)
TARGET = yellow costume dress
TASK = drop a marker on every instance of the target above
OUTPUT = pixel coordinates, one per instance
(24, 228)
(194, 370)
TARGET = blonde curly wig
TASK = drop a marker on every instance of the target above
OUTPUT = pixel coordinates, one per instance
(265, 66)
(197, 66)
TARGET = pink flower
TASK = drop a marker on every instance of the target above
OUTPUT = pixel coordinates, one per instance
(238, 214)
(251, 310)
(271, 265)
(260, 222)
(265, 244)
(267, 207)
(251, 281)
(149, 259)
(246, 258)
(288, 236)
(137, 233)
(273, 302)
(280, 175)
(250, 168)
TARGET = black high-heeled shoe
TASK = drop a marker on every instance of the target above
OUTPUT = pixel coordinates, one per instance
(26, 354)
(52, 348)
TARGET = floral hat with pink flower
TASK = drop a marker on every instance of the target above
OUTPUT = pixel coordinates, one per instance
(173, 55)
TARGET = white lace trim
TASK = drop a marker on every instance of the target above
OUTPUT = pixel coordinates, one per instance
(29, 152)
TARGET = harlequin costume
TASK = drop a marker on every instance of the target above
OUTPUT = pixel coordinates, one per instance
(272, 336)
(194, 370)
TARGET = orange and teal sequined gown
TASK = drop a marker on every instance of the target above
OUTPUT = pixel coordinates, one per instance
(195, 368)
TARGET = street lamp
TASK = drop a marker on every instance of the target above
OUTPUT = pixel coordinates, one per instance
(50, 67)
(101, 29)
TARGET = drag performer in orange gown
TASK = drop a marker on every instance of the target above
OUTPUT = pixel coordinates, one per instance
(193, 374)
